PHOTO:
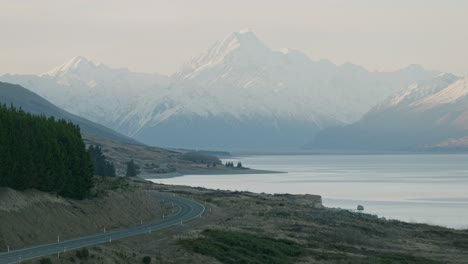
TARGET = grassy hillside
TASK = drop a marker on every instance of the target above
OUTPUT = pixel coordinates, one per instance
(32, 217)
(159, 162)
(242, 227)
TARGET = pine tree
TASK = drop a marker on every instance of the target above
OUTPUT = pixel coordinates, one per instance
(101, 166)
(132, 169)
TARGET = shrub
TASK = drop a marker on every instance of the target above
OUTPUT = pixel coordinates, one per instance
(82, 253)
(146, 260)
(239, 247)
(45, 261)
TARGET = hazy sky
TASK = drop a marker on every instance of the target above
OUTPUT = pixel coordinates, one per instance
(158, 36)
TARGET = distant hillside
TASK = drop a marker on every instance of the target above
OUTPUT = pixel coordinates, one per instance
(33, 103)
(429, 115)
(158, 162)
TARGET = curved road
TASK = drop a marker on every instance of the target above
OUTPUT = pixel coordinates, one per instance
(188, 210)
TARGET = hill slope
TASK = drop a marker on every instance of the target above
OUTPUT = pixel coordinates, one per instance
(33, 103)
(429, 114)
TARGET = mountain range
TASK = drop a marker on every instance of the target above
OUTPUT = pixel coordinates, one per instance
(238, 94)
(431, 114)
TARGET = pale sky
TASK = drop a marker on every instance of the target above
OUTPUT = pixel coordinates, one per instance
(159, 35)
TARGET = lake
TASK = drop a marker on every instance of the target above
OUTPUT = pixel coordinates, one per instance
(424, 188)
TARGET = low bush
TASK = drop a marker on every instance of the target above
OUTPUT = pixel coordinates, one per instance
(45, 261)
(146, 260)
(82, 253)
(238, 247)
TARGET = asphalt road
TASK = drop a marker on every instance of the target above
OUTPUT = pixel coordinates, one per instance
(188, 210)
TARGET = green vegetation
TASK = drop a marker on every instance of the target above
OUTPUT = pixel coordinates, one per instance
(199, 157)
(82, 253)
(146, 260)
(237, 247)
(42, 153)
(132, 169)
(101, 166)
(45, 261)
(230, 164)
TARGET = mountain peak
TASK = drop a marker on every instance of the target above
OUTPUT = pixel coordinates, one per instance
(244, 43)
(76, 64)
(245, 38)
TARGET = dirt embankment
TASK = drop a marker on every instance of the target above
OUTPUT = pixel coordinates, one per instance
(32, 217)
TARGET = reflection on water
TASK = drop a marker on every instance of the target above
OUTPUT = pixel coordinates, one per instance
(416, 188)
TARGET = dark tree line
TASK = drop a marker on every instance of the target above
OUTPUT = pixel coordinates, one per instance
(43, 153)
(101, 166)
(230, 164)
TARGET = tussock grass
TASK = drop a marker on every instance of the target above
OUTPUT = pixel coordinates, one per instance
(239, 247)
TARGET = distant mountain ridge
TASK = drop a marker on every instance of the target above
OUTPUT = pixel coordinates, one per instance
(238, 94)
(288, 83)
(428, 115)
(20, 97)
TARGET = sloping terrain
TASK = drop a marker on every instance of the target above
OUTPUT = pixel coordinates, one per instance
(33, 103)
(265, 228)
(237, 95)
(157, 162)
(32, 217)
(149, 159)
(425, 115)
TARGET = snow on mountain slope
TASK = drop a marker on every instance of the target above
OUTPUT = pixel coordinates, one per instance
(450, 95)
(425, 115)
(237, 85)
(446, 90)
(415, 92)
(34, 104)
(94, 91)
(241, 68)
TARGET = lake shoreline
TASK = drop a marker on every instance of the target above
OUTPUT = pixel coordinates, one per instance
(185, 172)
(413, 188)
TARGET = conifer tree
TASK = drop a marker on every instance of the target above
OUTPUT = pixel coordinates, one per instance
(132, 169)
(101, 166)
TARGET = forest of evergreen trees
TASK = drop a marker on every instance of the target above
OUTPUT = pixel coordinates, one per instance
(43, 153)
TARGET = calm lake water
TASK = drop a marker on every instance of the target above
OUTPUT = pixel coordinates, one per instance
(423, 188)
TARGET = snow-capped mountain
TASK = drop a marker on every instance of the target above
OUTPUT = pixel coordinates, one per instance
(237, 94)
(94, 91)
(427, 114)
(287, 83)
(409, 97)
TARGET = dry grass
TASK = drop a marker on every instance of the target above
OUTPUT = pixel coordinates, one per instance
(321, 235)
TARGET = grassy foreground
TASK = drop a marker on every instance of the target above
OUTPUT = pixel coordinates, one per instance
(242, 227)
